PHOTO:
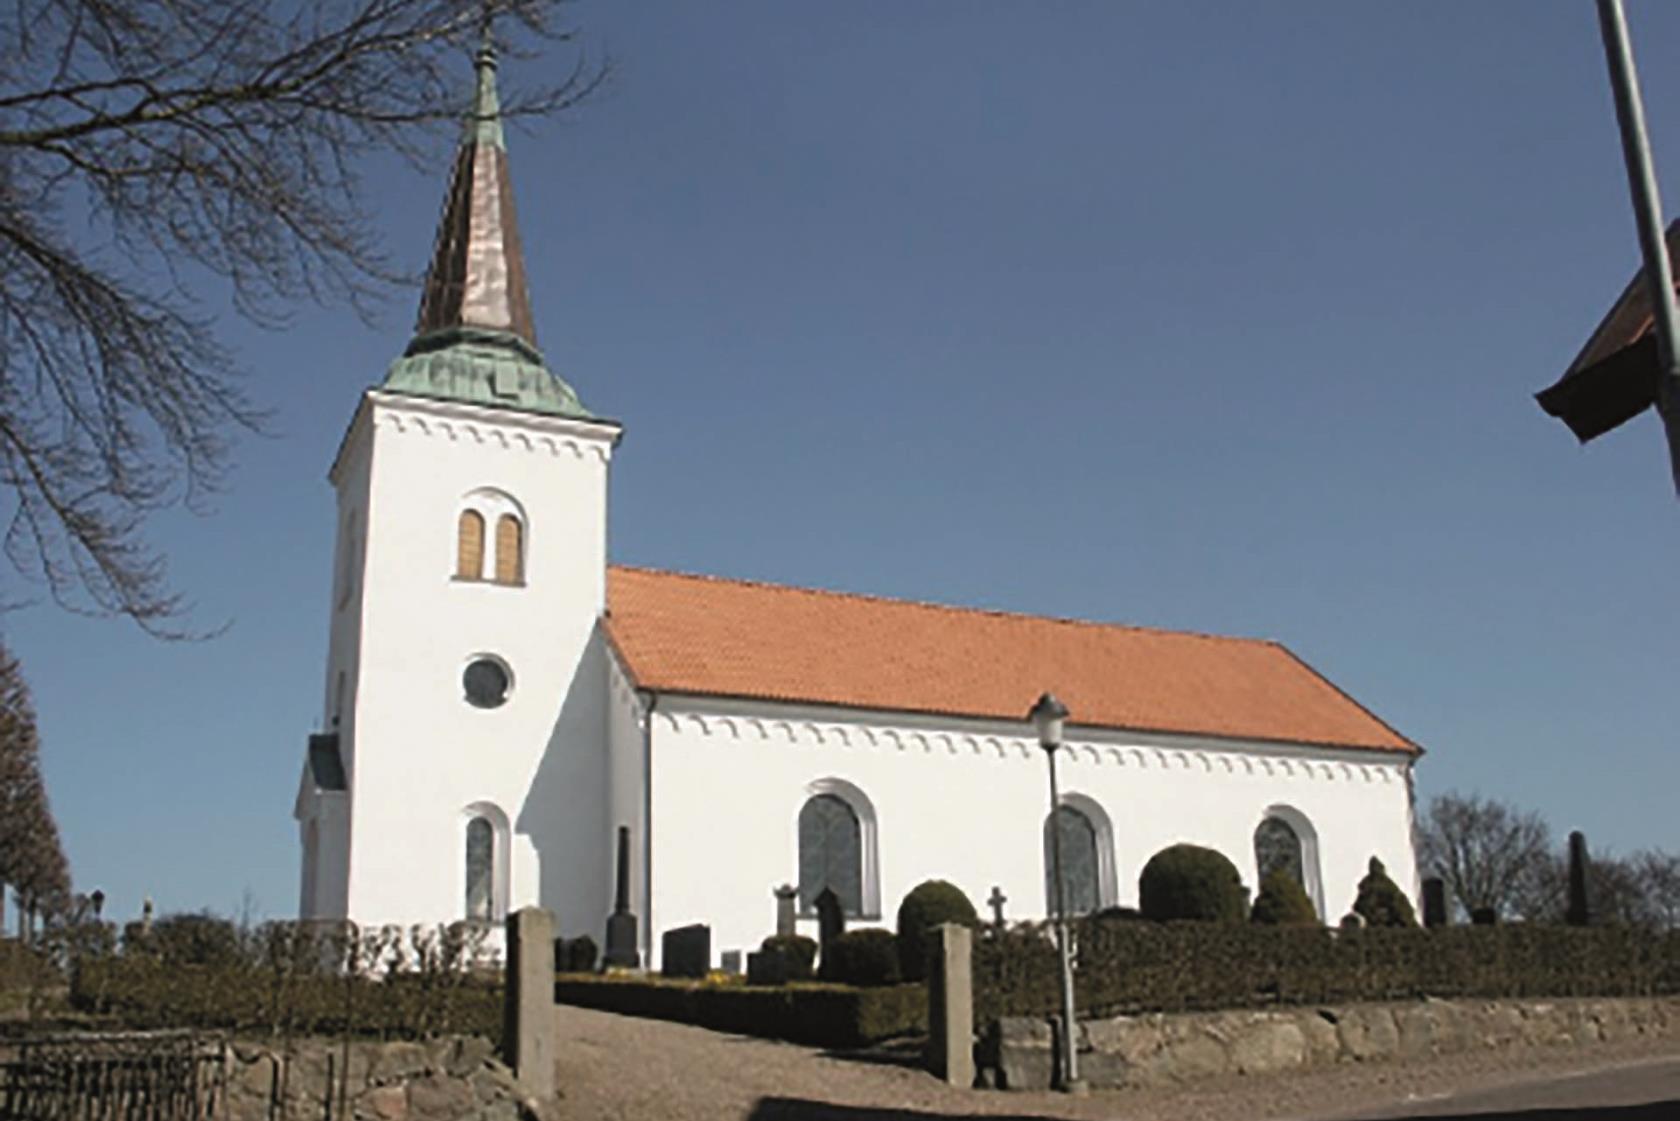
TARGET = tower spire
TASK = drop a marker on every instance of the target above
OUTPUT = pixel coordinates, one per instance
(477, 275)
(475, 340)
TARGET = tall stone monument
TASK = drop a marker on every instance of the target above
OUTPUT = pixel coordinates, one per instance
(621, 924)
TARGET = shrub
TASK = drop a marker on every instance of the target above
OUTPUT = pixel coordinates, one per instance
(191, 939)
(1380, 901)
(929, 904)
(862, 957)
(1191, 882)
(1283, 902)
(797, 951)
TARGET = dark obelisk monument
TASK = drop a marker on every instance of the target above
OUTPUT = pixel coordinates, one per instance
(621, 924)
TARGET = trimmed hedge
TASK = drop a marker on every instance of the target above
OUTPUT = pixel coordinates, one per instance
(1191, 882)
(1282, 902)
(929, 904)
(144, 992)
(1380, 901)
(820, 1015)
(797, 951)
(1170, 967)
(867, 957)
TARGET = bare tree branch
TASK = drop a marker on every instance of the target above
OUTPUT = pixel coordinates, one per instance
(154, 150)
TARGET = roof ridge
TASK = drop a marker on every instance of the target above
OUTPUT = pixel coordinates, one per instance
(958, 609)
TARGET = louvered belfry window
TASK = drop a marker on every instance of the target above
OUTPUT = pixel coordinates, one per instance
(1079, 862)
(510, 567)
(469, 546)
(830, 853)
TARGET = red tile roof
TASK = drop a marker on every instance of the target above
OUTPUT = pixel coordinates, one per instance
(703, 635)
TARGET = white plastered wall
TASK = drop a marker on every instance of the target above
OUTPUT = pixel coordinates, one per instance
(418, 754)
(966, 802)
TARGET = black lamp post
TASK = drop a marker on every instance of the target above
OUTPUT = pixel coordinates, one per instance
(1048, 716)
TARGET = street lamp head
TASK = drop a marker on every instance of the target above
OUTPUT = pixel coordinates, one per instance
(1048, 715)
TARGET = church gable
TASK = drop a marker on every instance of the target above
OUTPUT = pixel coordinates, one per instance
(701, 635)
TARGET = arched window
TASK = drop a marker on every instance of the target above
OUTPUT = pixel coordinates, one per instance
(1079, 862)
(469, 546)
(1286, 840)
(481, 869)
(510, 545)
(1087, 839)
(830, 853)
(837, 849)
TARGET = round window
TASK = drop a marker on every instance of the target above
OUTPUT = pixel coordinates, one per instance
(486, 682)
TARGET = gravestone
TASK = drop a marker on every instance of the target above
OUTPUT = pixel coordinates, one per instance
(731, 961)
(996, 902)
(1484, 916)
(621, 924)
(1434, 902)
(767, 967)
(787, 901)
(686, 951)
(831, 921)
(1580, 909)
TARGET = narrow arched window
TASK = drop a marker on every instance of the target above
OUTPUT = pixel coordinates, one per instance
(1080, 866)
(469, 546)
(1276, 845)
(481, 869)
(510, 543)
(830, 853)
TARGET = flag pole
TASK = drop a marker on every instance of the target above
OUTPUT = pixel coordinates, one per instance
(1647, 209)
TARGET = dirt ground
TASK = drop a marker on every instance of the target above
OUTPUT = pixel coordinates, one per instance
(620, 1067)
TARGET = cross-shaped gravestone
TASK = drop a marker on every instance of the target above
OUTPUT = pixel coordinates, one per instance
(996, 902)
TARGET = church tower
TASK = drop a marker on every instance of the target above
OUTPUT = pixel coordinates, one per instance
(462, 769)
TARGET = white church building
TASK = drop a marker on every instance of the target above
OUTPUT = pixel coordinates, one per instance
(500, 700)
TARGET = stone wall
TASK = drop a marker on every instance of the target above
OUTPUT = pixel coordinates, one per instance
(1154, 1049)
(454, 1079)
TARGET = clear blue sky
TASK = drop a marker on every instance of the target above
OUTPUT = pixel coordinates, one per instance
(1214, 316)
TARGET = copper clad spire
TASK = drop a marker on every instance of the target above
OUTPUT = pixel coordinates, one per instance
(475, 342)
(477, 275)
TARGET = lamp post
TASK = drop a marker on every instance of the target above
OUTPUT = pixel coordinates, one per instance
(1048, 715)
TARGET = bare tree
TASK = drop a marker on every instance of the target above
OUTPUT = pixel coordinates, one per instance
(31, 859)
(1658, 875)
(154, 153)
(1490, 854)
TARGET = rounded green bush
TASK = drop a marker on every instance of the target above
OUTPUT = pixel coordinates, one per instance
(864, 958)
(798, 951)
(1380, 901)
(1282, 902)
(929, 904)
(1194, 883)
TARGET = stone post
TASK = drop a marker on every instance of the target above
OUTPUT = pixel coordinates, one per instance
(950, 1053)
(529, 1025)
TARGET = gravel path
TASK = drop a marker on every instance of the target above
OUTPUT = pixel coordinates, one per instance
(619, 1067)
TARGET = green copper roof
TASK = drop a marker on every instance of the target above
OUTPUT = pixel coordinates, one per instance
(488, 368)
(475, 340)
